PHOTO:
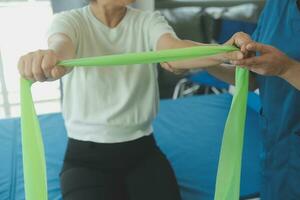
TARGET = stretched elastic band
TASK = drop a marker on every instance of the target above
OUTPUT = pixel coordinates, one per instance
(228, 178)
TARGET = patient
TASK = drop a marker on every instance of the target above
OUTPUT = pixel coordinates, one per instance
(108, 112)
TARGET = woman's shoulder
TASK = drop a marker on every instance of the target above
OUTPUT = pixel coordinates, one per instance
(143, 16)
(74, 14)
(143, 13)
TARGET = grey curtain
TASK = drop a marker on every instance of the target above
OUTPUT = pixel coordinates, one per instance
(61, 5)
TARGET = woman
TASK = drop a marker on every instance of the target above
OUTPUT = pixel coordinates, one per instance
(108, 112)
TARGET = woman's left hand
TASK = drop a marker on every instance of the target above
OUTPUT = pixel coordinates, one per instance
(270, 62)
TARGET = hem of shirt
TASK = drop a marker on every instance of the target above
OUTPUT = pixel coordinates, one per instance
(107, 135)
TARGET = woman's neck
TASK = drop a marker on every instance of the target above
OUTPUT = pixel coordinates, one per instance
(108, 14)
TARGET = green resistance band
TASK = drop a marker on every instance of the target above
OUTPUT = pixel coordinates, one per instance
(228, 179)
(230, 161)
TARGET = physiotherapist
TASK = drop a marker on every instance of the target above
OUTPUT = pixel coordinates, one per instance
(276, 73)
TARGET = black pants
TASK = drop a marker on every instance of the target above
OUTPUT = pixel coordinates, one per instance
(135, 170)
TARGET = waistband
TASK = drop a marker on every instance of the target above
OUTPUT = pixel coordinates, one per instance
(109, 155)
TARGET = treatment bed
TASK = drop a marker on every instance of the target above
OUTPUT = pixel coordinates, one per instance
(189, 131)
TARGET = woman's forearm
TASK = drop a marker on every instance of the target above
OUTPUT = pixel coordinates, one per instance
(167, 41)
(194, 63)
(227, 74)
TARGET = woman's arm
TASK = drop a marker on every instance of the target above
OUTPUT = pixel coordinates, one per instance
(227, 74)
(62, 45)
(41, 65)
(168, 41)
(214, 64)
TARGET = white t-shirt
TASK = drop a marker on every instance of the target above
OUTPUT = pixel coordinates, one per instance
(113, 104)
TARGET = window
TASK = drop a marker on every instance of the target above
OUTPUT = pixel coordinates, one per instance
(23, 27)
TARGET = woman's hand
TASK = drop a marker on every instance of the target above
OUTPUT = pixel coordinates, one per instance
(41, 66)
(239, 39)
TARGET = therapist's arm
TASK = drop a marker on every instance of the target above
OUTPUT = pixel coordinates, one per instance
(293, 74)
(271, 62)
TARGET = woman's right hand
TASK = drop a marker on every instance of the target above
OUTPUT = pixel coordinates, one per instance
(41, 66)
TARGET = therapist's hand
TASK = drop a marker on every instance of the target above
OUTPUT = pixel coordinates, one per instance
(271, 62)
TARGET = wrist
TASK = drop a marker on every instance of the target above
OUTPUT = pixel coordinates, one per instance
(292, 68)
